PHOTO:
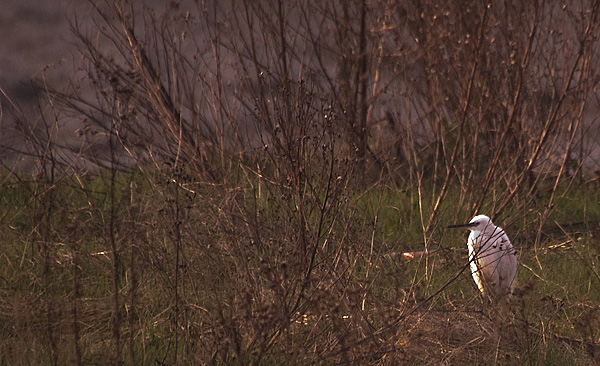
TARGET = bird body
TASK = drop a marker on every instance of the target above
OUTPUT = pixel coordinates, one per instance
(492, 258)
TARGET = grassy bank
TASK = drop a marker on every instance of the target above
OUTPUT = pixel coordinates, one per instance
(166, 270)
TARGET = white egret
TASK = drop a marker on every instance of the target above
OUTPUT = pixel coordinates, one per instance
(492, 258)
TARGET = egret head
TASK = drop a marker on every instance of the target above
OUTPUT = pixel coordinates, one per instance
(477, 223)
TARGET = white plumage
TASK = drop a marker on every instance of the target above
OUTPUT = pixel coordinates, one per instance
(492, 258)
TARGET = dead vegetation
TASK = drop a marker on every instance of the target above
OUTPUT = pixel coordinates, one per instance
(254, 170)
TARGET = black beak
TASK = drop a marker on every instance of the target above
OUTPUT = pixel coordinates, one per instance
(462, 225)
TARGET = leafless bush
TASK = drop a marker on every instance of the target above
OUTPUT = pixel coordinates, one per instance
(468, 94)
(260, 129)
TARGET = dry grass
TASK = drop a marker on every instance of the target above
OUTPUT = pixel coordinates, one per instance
(243, 209)
(226, 283)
